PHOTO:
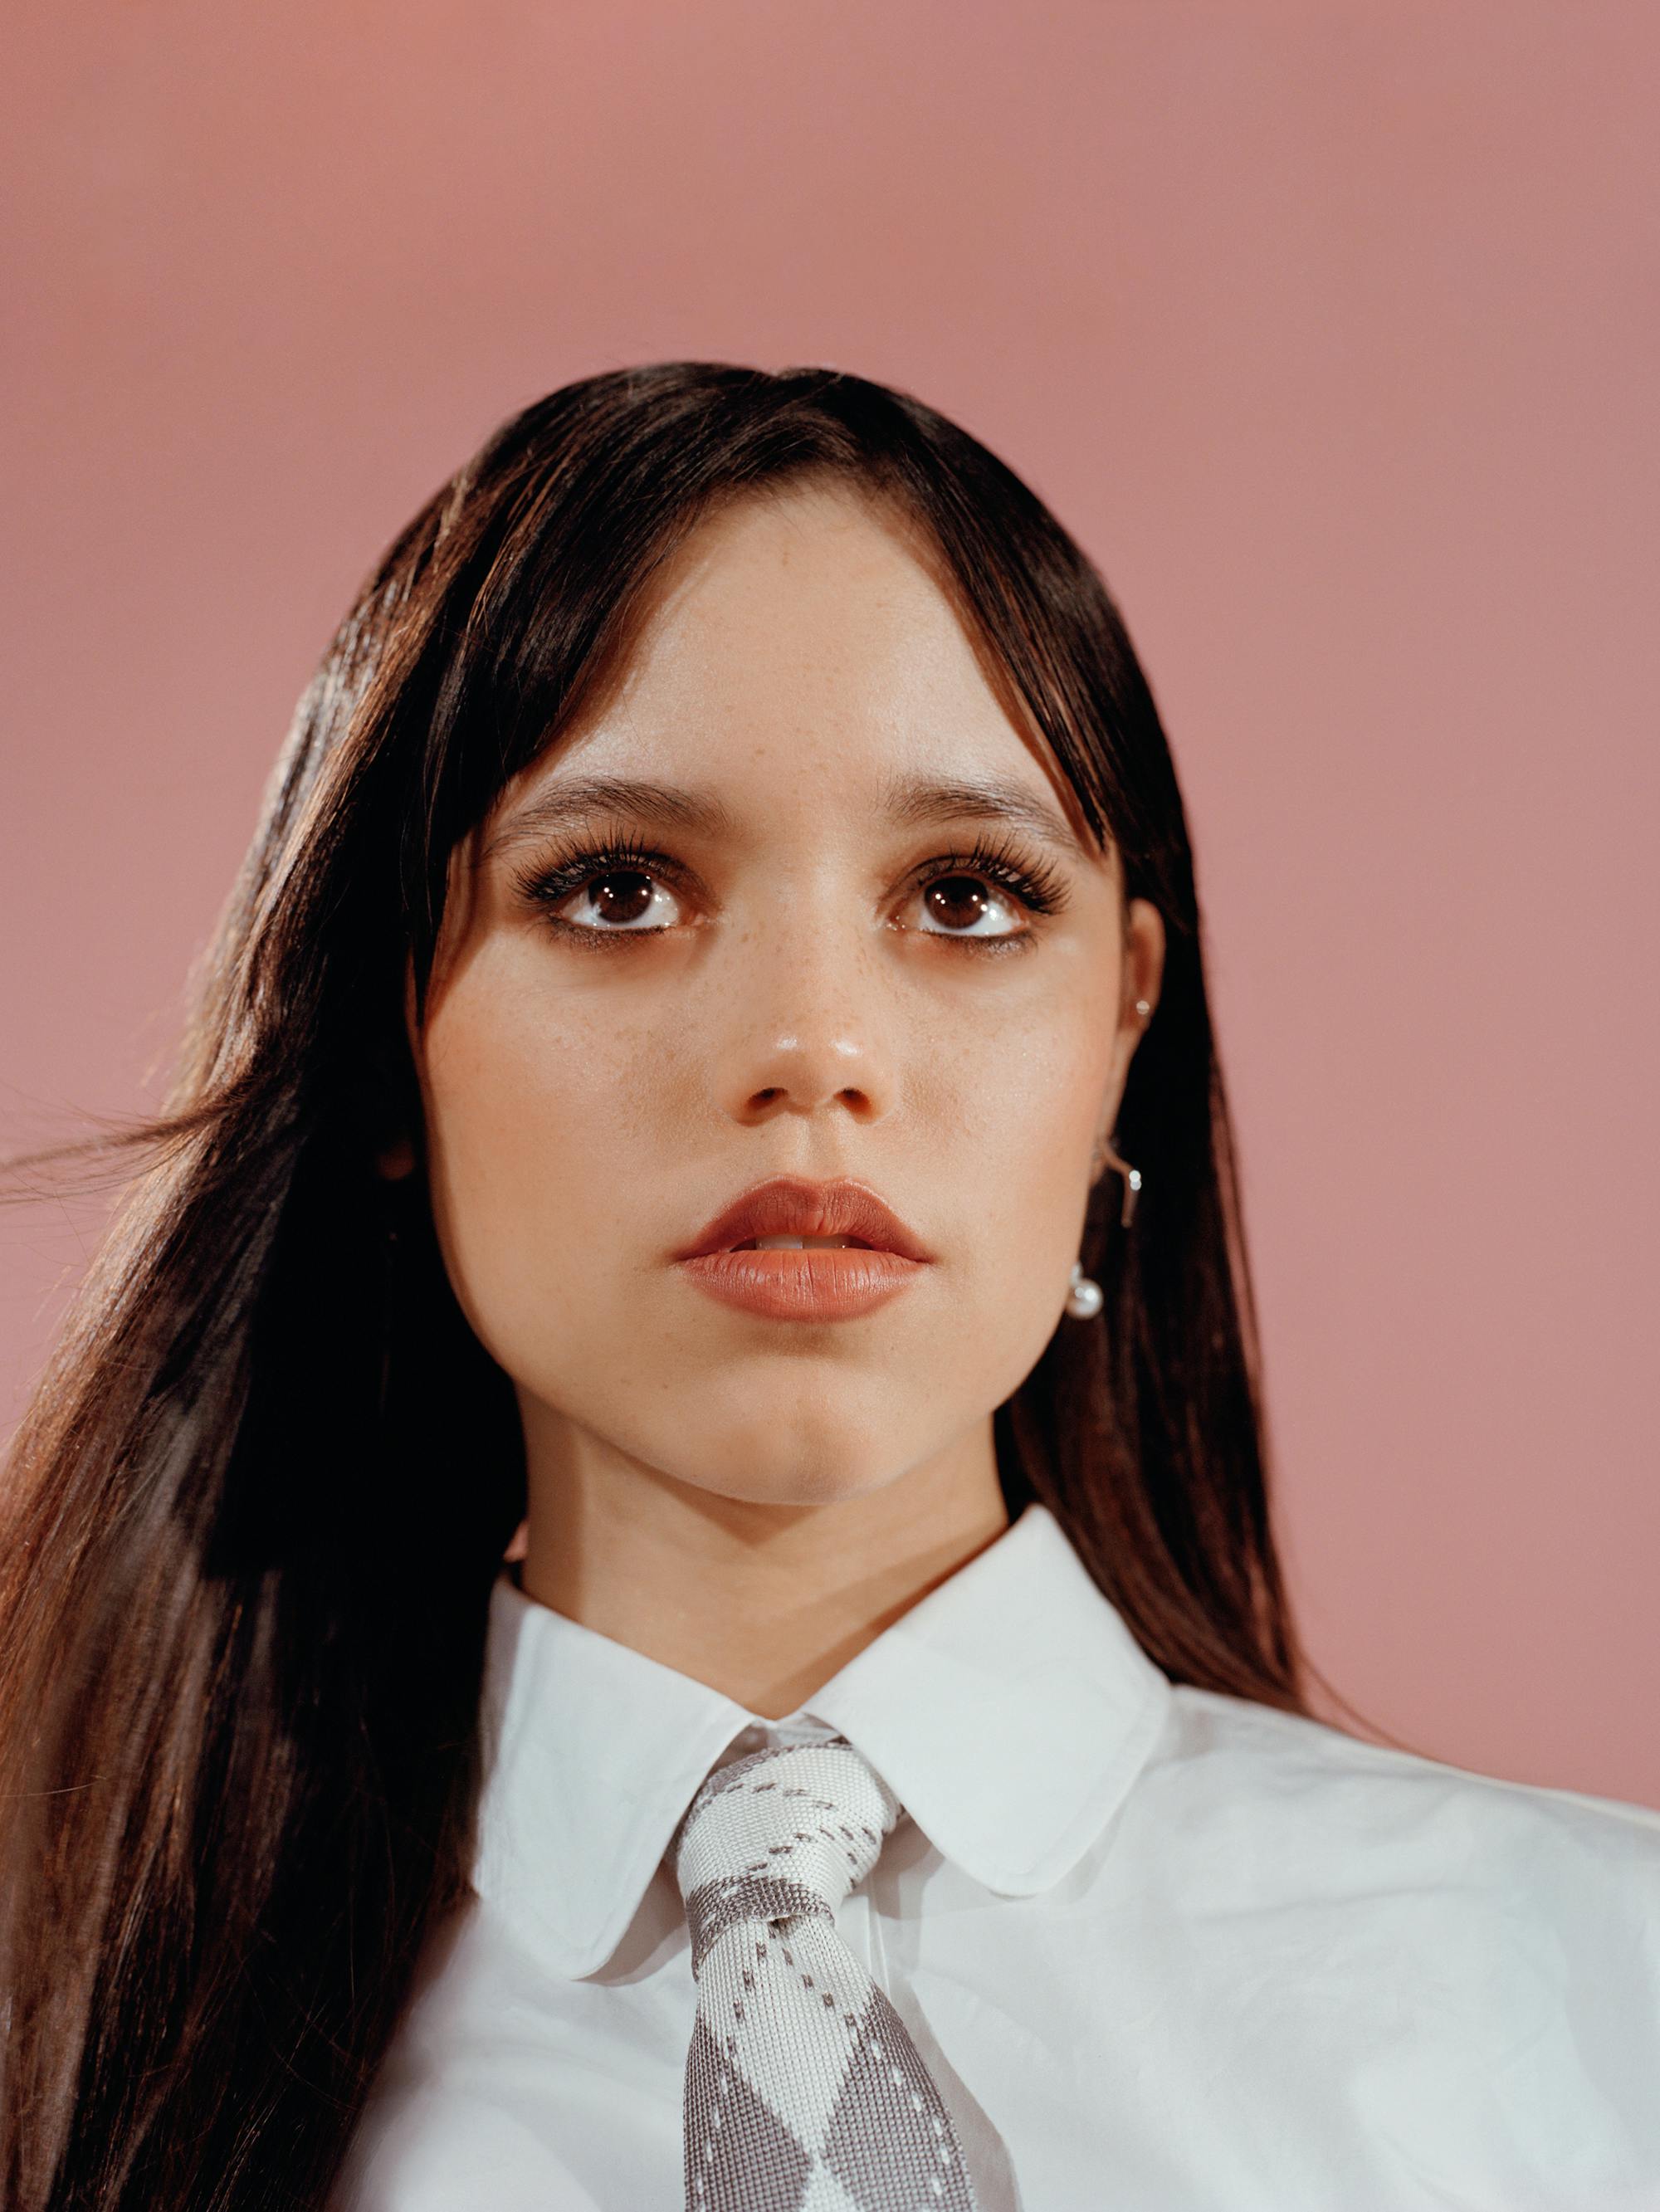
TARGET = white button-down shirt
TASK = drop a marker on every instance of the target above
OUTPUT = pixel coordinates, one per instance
(1162, 1950)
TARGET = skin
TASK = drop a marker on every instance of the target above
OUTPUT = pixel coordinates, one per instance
(750, 1501)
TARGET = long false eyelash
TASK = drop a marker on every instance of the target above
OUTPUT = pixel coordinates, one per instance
(548, 882)
(1038, 886)
(1034, 882)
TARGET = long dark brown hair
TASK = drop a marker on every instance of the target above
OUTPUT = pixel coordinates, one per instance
(256, 1502)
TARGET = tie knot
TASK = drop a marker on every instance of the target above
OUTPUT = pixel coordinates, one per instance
(786, 1831)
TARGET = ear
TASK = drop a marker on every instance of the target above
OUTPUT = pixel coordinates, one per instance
(1141, 973)
(386, 1103)
(396, 1160)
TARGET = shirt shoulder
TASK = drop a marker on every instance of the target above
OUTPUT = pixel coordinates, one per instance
(1306, 1787)
(1472, 1962)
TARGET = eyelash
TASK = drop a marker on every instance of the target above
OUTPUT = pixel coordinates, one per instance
(1038, 888)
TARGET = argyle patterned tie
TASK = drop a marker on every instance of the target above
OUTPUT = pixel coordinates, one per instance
(804, 2092)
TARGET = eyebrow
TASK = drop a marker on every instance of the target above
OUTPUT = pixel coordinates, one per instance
(907, 801)
(560, 804)
(910, 800)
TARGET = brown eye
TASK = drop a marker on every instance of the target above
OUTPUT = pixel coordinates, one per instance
(620, 899)
(623, 898)
(964, 906)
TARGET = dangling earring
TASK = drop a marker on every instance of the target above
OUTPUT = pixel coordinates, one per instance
(1105, 1155)
(1085, 1299)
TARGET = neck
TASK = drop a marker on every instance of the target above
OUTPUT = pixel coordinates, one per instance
(763, 1601)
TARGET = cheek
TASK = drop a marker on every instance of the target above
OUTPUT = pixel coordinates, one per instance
(1047, 1103)
(1014, 1108)
(1001, 1118)
(541, 1114)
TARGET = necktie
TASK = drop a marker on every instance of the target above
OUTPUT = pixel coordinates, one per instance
(804, 2092)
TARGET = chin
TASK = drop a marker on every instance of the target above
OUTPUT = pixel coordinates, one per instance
(814, 1465)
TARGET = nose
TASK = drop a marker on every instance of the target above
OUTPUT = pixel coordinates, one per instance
(807, 1032)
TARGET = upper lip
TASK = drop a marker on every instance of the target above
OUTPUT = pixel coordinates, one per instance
(789, 1206)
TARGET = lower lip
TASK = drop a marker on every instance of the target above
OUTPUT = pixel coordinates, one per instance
(826, 1284)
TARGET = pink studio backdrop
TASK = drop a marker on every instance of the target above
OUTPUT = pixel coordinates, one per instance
(1331, 330)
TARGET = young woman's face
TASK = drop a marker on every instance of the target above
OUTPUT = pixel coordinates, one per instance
(790, 970)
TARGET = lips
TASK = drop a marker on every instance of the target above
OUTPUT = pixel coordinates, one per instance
(788, 1205)
(819, 1282)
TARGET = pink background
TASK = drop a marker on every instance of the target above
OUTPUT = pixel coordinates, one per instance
(1331, 330)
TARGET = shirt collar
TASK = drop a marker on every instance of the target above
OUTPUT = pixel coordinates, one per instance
(1009, 1710)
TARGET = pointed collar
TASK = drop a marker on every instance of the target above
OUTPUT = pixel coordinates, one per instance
(1010, 1710)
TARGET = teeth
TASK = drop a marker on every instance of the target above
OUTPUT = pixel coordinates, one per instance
(796, 1245)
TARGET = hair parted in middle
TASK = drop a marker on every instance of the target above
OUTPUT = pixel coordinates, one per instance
(256, 1507)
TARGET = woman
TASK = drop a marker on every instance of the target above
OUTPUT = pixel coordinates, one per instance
(644, 1575)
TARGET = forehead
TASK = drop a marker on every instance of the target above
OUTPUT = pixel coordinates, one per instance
(800, 636)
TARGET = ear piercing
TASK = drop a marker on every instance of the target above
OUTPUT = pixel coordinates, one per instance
(1085, 1299)
(1105, 1153)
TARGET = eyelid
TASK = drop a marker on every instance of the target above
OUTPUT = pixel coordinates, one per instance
(1035, 885)
(1022, 914)
(566, 869)
(1026, 879)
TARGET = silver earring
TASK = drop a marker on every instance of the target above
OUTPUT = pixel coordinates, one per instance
(1104, 1153)
(1085, 1299)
